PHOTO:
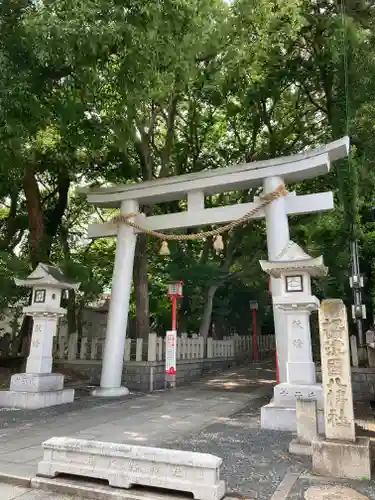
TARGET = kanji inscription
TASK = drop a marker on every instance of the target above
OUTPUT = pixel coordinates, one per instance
(336, 373)
(298, 343)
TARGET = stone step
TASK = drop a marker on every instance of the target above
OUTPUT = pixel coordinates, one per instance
(95, 490)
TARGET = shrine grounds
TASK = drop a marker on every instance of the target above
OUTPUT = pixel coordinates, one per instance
(219, 414)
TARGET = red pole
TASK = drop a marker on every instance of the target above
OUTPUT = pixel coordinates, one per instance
(277, 369)
(277, 361)
(255, 340)
(174, 313)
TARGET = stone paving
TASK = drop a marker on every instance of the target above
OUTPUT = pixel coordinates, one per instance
(220, 415)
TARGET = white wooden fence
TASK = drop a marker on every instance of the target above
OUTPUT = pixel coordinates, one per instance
(154, 350)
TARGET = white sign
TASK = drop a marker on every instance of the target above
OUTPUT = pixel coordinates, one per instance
(170, 352)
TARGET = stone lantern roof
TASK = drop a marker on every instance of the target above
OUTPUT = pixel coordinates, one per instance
(293, 258)
(46, 275)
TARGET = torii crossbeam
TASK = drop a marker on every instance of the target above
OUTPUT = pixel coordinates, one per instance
(194, 187)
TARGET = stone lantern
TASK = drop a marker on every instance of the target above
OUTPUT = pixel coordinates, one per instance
(39, 387)
(294, 268)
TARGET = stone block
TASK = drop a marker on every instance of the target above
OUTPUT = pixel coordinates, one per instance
(342, 459)
(279, 418)
(307, 420)
(34, 382)
(297, 448)
(307, 427)
(126, 465)
(35, 400)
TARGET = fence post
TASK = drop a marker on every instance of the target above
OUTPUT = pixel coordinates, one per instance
(151, 349)
(128, 344)
(232, 348)
(138, 350)
(72, 347)
(201, 347)
(210, 351)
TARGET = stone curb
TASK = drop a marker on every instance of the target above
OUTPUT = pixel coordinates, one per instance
(14, 480)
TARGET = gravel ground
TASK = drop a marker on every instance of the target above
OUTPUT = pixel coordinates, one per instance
(255, 461)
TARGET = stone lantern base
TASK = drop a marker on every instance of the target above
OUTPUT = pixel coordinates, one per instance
(280, 414)
(33, 391)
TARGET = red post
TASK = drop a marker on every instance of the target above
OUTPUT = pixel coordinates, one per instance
(174, 313)
(277, 369)
(277, 361)
(255, 339)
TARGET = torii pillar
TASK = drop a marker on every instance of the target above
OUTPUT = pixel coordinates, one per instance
(268, 175)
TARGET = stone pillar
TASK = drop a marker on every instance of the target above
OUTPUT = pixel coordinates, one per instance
(341, 453)
(277, 227)
(113, 359)
(294, 267)
(300, 368)
(336, 372)
(40, 357)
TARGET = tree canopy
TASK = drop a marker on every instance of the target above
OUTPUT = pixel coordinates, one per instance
(119, 91)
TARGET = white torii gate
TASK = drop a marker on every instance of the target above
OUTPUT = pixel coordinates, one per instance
(269, 174)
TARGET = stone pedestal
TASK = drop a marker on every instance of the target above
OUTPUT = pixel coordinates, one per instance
(38, 387)
(340, 453)
(33, 390)
(343, 459)
(280, 414)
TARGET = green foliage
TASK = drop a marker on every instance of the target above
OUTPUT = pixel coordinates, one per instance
(120, 92)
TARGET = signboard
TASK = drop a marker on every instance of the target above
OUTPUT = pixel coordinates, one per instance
(170, 352)
(175, 289)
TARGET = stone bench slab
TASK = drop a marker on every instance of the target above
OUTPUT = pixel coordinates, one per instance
(125, 465)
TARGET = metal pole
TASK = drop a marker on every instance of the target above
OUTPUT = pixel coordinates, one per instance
(357, 295)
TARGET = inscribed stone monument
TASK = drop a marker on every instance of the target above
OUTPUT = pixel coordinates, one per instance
(341, 453)
(336, 373)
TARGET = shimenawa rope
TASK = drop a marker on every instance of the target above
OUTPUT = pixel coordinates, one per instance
(266, 200)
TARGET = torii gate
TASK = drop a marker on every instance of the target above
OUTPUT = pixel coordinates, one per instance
(269, 174)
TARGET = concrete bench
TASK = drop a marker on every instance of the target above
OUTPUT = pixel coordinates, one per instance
(125, 465)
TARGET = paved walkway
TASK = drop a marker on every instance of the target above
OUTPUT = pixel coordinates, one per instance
(219, 415)
(148, 419)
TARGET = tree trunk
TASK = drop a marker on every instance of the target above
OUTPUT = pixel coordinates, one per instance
(36, 220)
(207, 313)
(140, 277)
